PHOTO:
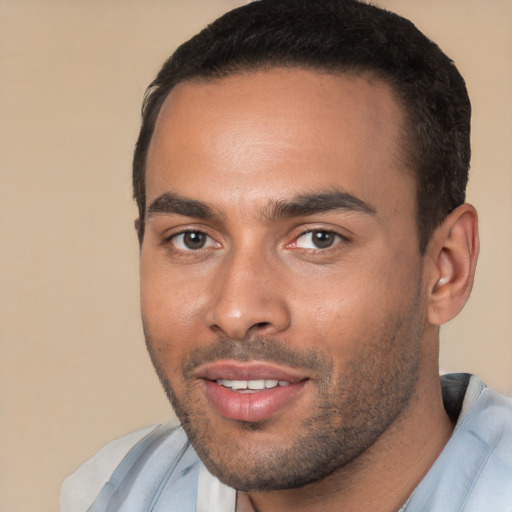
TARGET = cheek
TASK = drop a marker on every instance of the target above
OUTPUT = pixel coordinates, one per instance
(171, 311)
(165, 291)
(354, 304)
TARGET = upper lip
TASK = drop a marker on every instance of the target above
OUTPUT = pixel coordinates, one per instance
(247, 370)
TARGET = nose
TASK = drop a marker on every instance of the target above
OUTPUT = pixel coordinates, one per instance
(247, 297)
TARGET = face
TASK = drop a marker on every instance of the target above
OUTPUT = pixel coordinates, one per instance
(280, 273)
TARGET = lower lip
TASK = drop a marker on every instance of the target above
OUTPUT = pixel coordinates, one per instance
(250, 407)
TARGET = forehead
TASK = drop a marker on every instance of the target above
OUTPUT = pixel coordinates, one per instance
(268, 134)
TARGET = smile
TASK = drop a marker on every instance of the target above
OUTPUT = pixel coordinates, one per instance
(250, 391)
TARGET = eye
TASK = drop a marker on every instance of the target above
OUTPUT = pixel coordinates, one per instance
(192, 241)
(317, 239)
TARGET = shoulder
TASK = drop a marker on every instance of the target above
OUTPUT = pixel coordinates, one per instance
(487, 415)
(81, 488)
(474, 471)
(155, 468)
(484, 438)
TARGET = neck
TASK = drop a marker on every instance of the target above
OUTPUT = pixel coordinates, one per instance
(384, 476)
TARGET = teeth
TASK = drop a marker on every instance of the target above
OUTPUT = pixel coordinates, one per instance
(252, 384)
(256, 384)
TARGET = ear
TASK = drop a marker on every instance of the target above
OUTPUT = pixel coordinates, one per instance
(452, 254)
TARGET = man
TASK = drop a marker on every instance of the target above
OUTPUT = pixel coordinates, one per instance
(300, 176)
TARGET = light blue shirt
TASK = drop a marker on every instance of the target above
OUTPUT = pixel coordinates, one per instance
(160, 472)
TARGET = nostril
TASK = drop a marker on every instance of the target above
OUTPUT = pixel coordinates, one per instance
(261, 325)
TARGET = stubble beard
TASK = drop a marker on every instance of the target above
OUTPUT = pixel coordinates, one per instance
(351, 412)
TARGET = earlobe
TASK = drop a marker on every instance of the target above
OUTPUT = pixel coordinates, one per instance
(453, 252)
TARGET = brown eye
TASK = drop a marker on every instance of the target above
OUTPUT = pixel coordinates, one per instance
(317, 239)
(192, 241)
(323, 239)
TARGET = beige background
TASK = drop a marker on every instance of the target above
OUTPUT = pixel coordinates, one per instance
(73, 368)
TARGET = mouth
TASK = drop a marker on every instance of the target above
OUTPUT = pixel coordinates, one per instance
(250, 391)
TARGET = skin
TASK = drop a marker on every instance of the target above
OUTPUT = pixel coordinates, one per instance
(352, 318)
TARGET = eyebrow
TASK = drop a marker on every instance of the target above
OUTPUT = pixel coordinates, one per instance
(172, 203)
(303, 205)
(312, 204)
